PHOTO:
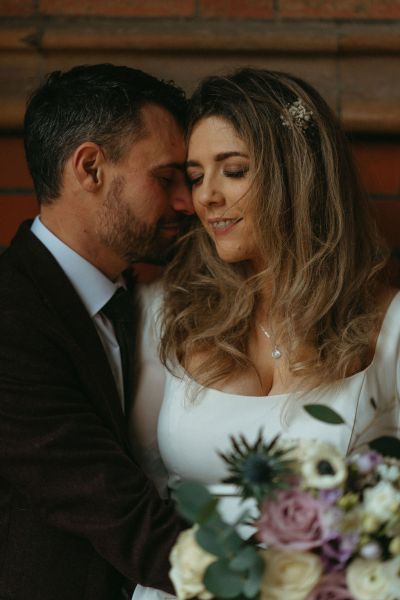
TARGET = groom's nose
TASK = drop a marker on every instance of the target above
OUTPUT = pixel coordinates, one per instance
(181, 196)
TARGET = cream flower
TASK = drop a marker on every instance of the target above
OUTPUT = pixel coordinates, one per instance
(366, 580)
(391, 570)
(289, 575)
(350, 521)
(189, 562)
(322, 466)
(390, 472)
(381, 501)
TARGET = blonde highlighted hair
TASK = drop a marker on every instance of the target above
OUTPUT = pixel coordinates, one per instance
(321, 249)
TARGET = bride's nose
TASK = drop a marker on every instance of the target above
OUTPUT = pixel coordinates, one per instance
(208, 194)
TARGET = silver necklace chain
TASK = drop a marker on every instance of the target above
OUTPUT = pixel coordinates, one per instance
(276, 353)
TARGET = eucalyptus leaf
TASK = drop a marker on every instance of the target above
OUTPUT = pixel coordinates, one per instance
(209, 512)
(223, 541)
(324, 413)
(210, 542)
(231, 539)
(221, 581)
(386, 445)
(252, 584)
(193, 500)
(245, 559)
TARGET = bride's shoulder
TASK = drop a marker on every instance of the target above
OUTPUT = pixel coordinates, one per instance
(387, 328)
(388, 301)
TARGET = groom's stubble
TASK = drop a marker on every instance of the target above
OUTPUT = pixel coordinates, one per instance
(130, 238)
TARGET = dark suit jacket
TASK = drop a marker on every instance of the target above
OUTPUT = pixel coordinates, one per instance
(77, 515)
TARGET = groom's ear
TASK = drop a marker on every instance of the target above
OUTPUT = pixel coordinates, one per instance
(88, 163)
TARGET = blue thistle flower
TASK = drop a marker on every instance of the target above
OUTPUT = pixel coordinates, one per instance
(258, 469)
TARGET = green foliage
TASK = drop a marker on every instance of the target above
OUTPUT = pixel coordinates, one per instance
(194, 502)
(221, 581)
(238, 571)
(386, 445)
(238, 578)
(324, 413)
(218, 538)
(252, 583)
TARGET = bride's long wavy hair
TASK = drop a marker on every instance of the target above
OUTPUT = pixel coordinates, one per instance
(321, 248)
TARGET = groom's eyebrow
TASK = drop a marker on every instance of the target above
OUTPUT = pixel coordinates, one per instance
(171, 165)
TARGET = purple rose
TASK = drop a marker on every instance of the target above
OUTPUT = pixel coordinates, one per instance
(331, 587)
(366, 462)
(330, 497)
(336, 551)
(293, 521)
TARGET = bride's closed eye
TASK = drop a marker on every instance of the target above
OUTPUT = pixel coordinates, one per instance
(237, 172)
(193, 178)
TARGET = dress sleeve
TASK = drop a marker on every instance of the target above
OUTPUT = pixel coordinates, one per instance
(150, 390)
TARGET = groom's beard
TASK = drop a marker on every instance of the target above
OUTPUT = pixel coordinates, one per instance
(131, 239)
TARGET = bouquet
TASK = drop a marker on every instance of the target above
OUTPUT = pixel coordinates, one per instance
(328, 526)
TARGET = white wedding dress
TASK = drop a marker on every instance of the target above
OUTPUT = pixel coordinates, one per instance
(179, 426)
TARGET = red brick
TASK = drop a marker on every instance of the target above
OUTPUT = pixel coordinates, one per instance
(340, 9)
(257, 9)
(14, 171)
(379, 167)
(119, 8)
(388, 217)
(16, 8)
(14, 210)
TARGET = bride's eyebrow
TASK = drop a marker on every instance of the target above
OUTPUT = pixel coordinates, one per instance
(224, 155)
(218, 158)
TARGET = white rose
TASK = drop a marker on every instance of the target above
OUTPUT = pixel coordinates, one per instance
(289, 575)
(366, 580)
(391, 570)
(389, 472)
(381, 501)
(322, 466)
(189, 562)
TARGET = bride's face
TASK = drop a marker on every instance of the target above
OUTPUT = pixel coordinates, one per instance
(218, 169)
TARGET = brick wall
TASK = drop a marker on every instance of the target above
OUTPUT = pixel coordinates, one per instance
(259, 9)
(348, 49)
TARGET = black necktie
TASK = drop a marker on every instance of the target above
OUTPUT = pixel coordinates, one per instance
(120, 309)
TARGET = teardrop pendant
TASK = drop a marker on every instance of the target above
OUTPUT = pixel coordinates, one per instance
(276, 353)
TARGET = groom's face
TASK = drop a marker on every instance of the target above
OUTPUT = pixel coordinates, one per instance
(148, 196)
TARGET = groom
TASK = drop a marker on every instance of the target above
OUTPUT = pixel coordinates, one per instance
(78, 518)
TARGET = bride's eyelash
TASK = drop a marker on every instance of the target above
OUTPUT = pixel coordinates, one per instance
(194, 180)
(237, 173)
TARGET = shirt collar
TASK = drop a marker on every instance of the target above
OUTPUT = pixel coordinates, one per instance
(91, 285)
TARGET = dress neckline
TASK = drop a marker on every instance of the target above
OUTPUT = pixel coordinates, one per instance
(391, 308)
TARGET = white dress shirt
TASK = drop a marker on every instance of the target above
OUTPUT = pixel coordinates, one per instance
(93, 288)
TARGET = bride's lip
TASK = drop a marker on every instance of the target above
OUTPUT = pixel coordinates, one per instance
(223, 226)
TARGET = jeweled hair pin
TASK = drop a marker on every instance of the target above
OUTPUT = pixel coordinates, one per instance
(297, 115)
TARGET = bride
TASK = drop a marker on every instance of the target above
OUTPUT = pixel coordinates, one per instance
(275, 297)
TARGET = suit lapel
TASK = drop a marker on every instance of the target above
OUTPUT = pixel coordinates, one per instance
(79, 330)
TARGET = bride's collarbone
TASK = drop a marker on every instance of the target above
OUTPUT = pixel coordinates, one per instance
(267, 376)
